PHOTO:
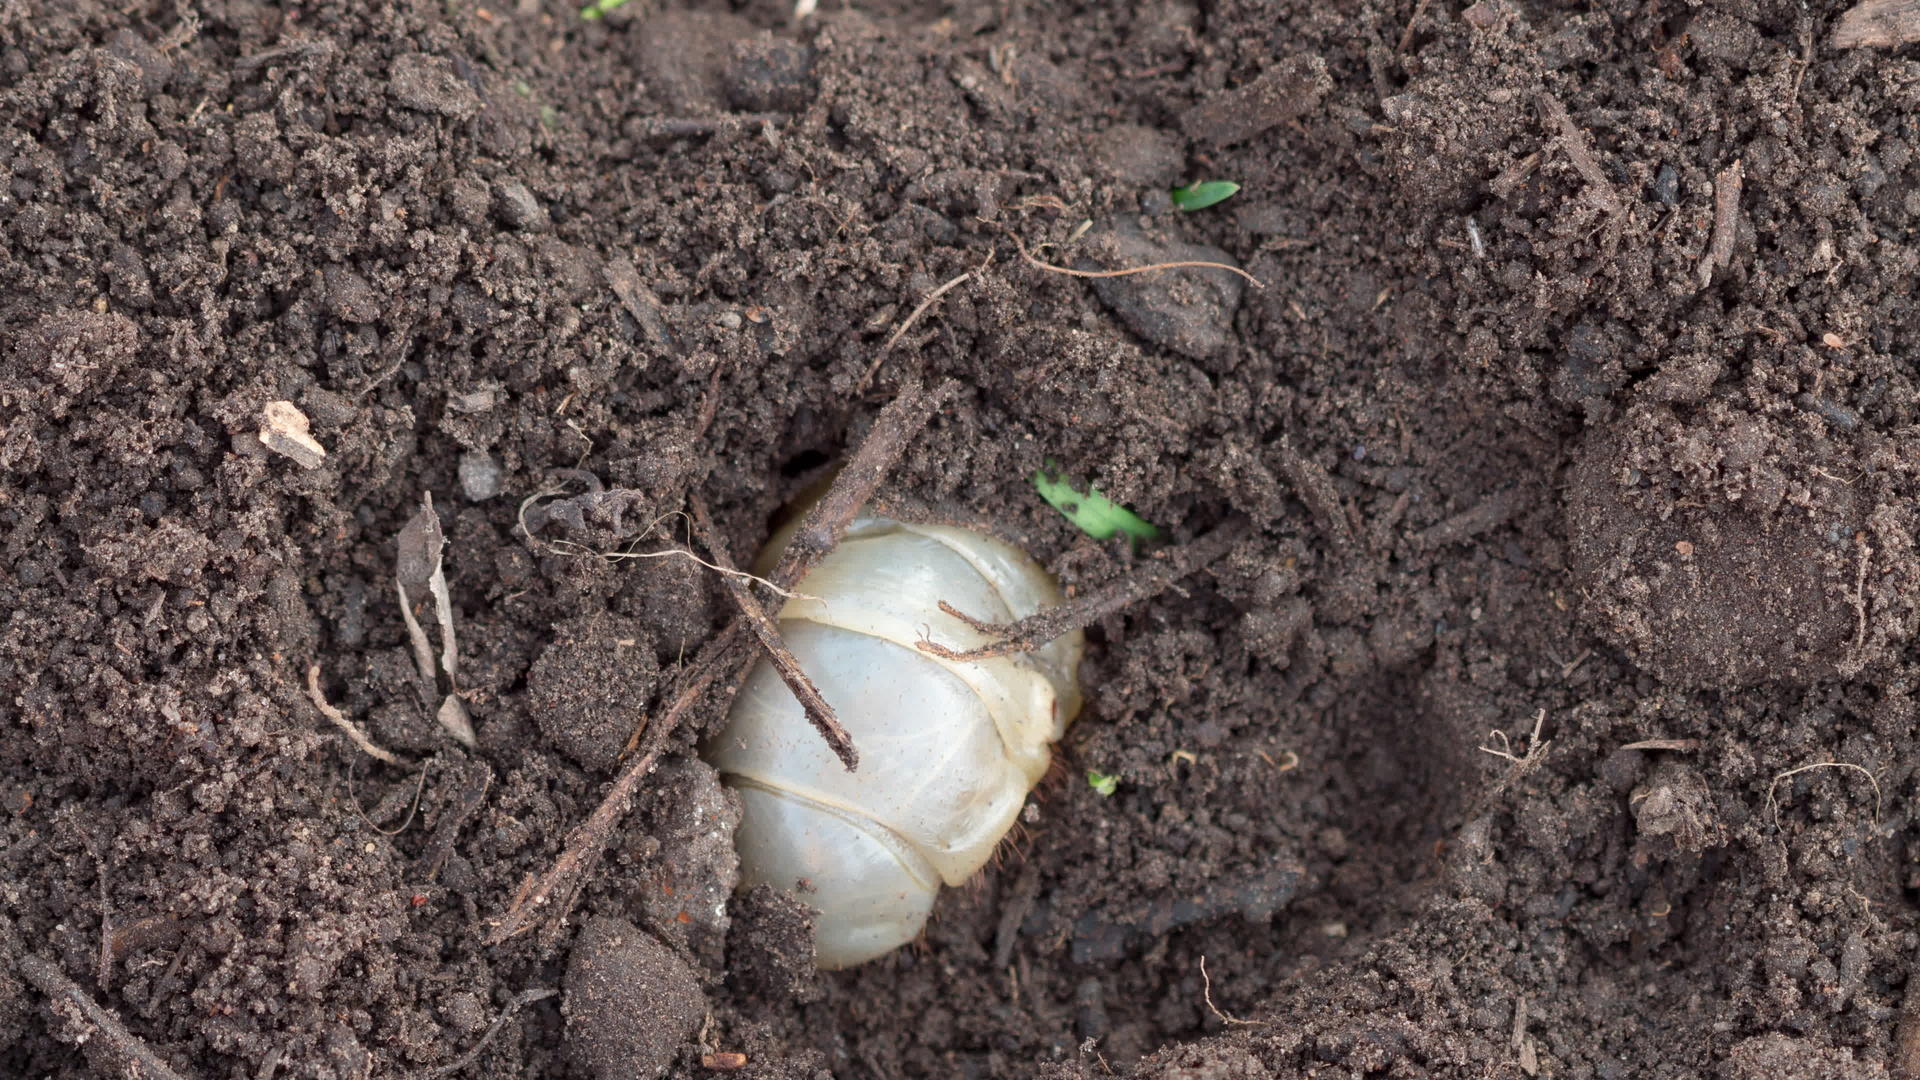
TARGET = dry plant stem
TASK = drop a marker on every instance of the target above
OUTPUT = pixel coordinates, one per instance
(827, 521)
(520, 1001)
(340, 720)
(819, 713)
(1774, 806)
(73, 1004)
(901, 330)
(1206, 982)
(557, 888)
(551, 895)
(1041, 627)
(1071, 272)
(1678, 745)
(476, 778)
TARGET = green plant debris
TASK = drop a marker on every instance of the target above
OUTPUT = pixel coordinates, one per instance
(601, 7)
(1204, 194)
(1102, 784)
(1094, 513)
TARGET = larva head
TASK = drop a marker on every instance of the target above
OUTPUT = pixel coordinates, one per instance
(948, 748)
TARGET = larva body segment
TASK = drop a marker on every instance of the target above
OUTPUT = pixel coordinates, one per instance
(948, 749)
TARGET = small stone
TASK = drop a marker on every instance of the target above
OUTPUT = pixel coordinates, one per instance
(769, 75)
(428, 83)
(284, 430)
(350, 295)
(1188, 310)
(516, 208)
(479, 475)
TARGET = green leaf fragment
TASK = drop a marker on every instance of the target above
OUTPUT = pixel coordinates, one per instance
(1204, 194)
(1094, 513)
(1102, 784)
(599, 8)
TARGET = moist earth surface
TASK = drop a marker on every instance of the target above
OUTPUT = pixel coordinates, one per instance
(1543, 703)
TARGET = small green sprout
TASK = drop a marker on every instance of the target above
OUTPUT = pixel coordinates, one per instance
(1094, 513)
(1102, 784)
(1204, 194)
(599, 8)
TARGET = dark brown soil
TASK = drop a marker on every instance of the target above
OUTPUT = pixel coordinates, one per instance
(1556, 718)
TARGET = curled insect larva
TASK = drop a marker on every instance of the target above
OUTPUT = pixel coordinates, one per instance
(948, 748)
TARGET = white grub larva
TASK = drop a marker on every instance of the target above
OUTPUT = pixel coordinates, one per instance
(948, 748)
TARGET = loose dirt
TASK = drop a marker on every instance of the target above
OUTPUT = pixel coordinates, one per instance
(1555, 716)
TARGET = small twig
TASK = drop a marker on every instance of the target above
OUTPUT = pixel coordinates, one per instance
(913, 317)
(135, 1059)
(476, 779)
(340, 720)
(1505, 749)
(566, 548)
(829, 518)
(561, 883)
(1406, 36)
(819, 713)
(1773, 807)
(520, 1001)
(1036, 630)
(1518, 765)
(1680, 745)
(1206, 991)
(412, 809)
(103, 963)
(673, 127)
(1052, 268)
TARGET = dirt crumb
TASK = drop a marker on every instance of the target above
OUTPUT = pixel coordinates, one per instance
(631, 1003)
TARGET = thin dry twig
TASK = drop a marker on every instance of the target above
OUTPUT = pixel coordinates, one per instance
(829, 518)
(1518, 765)
(570, 549)
(819, 713)
(1773, 806)
(87, 1019)
(1071, 272)
(914, 316)
(1044, 626)
(520, 1001)
(340, 720)
(1206, 991)
(1406, 36)
(555, 890)
(1681, 745)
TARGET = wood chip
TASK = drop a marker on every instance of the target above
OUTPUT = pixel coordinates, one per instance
(284, 430)
(1293, 87)
(1726, 221)
(1878, 24)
